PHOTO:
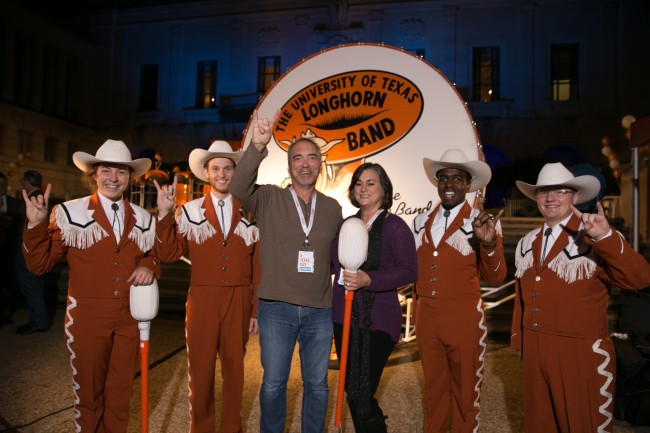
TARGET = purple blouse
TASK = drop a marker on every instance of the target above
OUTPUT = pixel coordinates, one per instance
(397, 267)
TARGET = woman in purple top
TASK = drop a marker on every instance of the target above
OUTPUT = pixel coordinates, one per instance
(376, 312)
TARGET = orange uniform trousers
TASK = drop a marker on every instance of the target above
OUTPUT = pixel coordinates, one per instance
(103, 341)
(216, 324)
(451, 340)
(567, 393)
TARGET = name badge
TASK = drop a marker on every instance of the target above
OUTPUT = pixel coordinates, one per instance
(306, 262)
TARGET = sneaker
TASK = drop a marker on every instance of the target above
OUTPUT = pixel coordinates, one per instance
(27, 329)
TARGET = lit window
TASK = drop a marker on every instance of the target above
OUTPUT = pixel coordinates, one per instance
(564, 72)
(206, 84)
(486, 74)
(268, 70)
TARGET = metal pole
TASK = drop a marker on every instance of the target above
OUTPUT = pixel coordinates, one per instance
(626, 123)
(635, 198)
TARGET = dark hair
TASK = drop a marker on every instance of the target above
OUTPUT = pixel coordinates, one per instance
(384, 181)
(291, 146)
(34, 178)
(88, 176)
(2, 175)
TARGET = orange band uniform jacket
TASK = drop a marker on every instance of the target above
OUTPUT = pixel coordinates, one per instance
(215, 261)
(454, 268)
(80, 230)
(569, 293)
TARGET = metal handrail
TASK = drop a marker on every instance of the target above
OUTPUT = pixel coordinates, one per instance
(487, 291)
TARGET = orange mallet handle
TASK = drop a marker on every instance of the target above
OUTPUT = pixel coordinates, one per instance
(144, 378)
(343, 360)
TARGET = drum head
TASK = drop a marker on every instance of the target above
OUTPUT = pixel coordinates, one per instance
(368, 103)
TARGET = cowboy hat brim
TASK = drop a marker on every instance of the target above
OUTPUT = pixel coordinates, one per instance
(199, 157)
(478, 170)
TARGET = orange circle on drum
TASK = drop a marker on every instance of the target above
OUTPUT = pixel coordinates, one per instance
(363, 112)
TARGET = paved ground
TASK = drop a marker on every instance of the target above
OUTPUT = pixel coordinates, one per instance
(36, 396)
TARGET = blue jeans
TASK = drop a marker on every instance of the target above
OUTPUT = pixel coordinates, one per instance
(281, 325)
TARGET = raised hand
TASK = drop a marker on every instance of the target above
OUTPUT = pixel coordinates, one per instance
(595, 224)
(36, 207)
(262, 130)
(166, 197)
(485, 224)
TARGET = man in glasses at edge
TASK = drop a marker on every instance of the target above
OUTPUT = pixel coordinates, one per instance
(564, 272)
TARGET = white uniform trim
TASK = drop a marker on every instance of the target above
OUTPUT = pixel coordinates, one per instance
(69, 341)
(461, 240)
(194, 226)
(577, 261)
(603, 389)
(481, 358)
(80, 230)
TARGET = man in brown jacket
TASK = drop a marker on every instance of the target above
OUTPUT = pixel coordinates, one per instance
(457, 245)
(565, 270)
(222, 300)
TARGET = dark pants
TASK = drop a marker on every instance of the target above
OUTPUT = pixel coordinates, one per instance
(381, 346)
(33, 289)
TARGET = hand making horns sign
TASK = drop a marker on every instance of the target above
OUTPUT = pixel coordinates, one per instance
(485, 224)
(166, 197)
(36, 207)
(262, 130)
(595, 224)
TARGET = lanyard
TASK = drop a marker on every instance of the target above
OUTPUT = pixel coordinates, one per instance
(306, 228)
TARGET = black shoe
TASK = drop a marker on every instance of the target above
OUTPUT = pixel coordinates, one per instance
(27, 329)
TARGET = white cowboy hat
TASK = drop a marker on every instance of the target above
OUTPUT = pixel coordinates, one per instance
(113, 152)
(556, 174)
(455, 158)
(218, 149)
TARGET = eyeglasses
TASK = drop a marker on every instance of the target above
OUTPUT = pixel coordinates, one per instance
(554, 193)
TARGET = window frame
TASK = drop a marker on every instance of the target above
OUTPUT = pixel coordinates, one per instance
(268, 71)
(148, 89)
(485, 74)
(564, 72)
(206, 84)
